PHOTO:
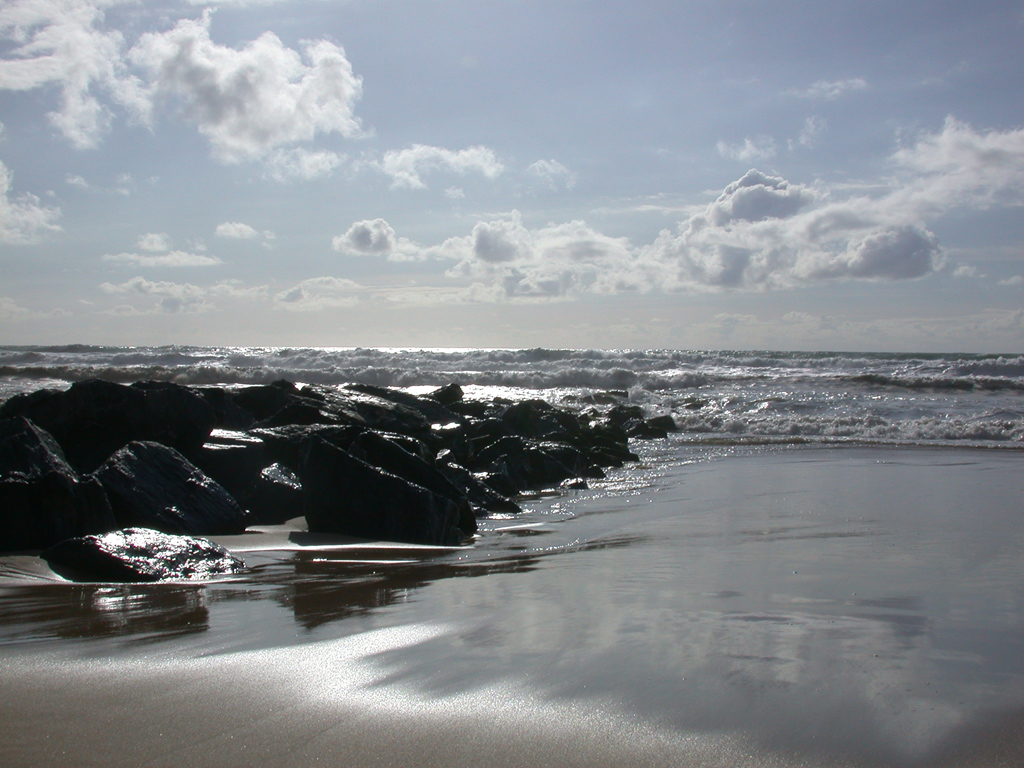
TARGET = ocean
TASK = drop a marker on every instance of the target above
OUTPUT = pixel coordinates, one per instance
(821, 567)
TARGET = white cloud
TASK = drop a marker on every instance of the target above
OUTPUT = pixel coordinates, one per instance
(171, 297)
(170, 259)
(1014, 281)
(814, 127)
(236, 230)
(553, 174)
(376, 238)
(155, 242)
(960, 166)
(251, 101)
(405, 166)
(319, 293)
(965, 270)
(179, 297)
(302, 164)
(60, 42)
(22, 218)
(555, 261)
(830, 89)
(751, 150)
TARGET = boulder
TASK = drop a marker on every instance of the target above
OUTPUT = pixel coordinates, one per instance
(42, 499)
(141, 554)
(150, 485)
(447, 395)
(94, 418)
(343, 494)
(276, 496)
(391, 457)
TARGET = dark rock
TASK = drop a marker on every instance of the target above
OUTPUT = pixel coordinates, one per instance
(429, 409)
(664, 422)
(227, 413)
(539, 419)
(233, 459)
(526, 463)
(447, 395)
(480, 494)
(141, 554)
(343, 494)
(42, 499)
(153, 486)
(622, 414)
(94, 418)
(264, 400)
(387, 455)
(284, 444)
(276, 496)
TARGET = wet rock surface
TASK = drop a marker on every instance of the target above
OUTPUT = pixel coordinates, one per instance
(141, 554)
(355, 459)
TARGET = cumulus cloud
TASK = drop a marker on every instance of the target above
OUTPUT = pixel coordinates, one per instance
(235, 230)
(22, 218)
(406, 166)
(250, 101)
(830, 89)
(61, 43)
(375, 237)
(555, 261)
(553, 174)
(319, 293)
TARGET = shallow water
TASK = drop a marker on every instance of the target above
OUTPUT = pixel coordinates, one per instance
(799, 606)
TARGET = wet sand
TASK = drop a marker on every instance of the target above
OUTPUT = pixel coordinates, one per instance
(799, 607)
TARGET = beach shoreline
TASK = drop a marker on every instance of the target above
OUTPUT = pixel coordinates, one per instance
(799, 606)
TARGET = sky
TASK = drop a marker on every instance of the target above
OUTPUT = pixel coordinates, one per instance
(692, 174)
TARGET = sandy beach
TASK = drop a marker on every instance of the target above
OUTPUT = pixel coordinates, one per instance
(778, 607)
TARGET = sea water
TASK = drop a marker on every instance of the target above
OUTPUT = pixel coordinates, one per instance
(821, 568)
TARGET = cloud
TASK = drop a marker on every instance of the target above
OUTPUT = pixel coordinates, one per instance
(11, 311)
(830, 89)
(813, 128)
(405, 166)
(171, 298)
(302, 164)
(251, 101)
(171, 259)
(960, 166)
(555, 261)
(319, 293)
(236, 230)
(22, 218)
(553, 174)
(174, 298)
(156, 242)
(59, 42)
(376, 238)
(1014, 281)
(751, 150)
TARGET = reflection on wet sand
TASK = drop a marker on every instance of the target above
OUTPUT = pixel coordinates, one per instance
(87, 611)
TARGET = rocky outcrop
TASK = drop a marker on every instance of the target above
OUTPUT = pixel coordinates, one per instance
(344, 494)
(360, 460)
(42, 499)
(150, 485)
(94, 418)
(141, 554)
